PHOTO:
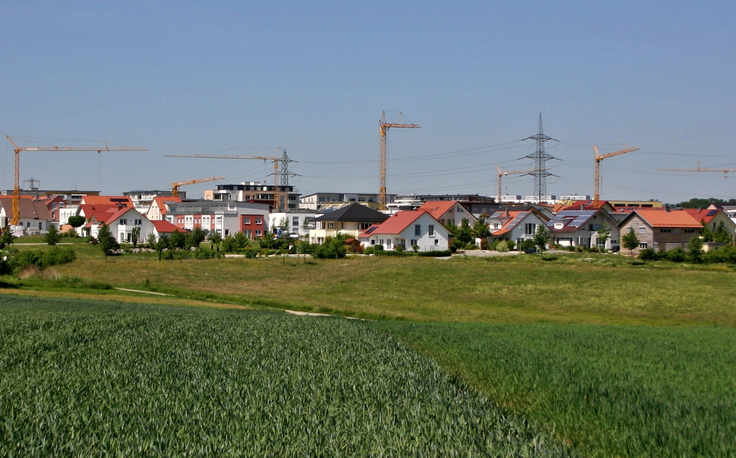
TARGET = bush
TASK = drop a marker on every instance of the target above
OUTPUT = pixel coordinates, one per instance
(676, 255)
(333, 248)
(40, 259)
(649, 254)
(510, 244)
(502, 246)
(434, 254)
(527, 245)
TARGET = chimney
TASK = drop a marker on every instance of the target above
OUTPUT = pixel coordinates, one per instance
(120, 205)
(666, 207)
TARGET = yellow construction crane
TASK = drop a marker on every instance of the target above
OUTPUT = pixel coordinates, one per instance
(384, 127)
(175, 186)
(280, 172)
(598, 159)
(512, 172)
(18, 149)
(699, 169)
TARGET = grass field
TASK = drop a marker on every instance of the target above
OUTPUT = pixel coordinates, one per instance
(609, 356)
(567, 290)
(90, 379)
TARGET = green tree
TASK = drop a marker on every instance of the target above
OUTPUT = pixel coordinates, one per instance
(6, 238)
(52, 236)
(177, 240)
(106, 240)
(481, 230)
(464, 234)
(216, 239)
(706, 233)
(721, 235)
(630, 241)
(695, 249)
(194, 238)
(76, 221)
(602, 235)
(151, 240)
(542, 237)
(161, 244)
(135, 234)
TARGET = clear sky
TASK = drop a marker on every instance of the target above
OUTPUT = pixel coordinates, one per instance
(245, 78)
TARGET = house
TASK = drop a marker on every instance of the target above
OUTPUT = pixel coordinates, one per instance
(158, 208)
(163, 228)
(350, 220)
(122, 223)
(516, 225)
(446, 211)
(255, 192)
(661, 229)
(580, 227)
(407, 229)
(142, 200)
(34, 216)
(713, 218)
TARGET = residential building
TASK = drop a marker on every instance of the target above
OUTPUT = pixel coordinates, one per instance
(123, 222)
(580, 228)
(297, 223)
(158, 208)
(335, 200)
(407, 229)
(34, 216)
(255, 193)
(446, 211)
(142, 199)
(350, 220)
(516, 225)
(661, 229)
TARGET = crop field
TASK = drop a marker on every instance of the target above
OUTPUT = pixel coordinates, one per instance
(104, 378)
(605, 390)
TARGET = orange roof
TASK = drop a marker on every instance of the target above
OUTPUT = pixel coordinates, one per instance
(437, 208)
(161, 202)
(118, 214)
(704, 215)
(163, 226)
(673, 218)
(583, 205)
(107, 200)
(399, 221)
(514, 218)
(99, 212)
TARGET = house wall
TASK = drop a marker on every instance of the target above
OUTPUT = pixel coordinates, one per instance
(658, 238)
(253, 225)
(438, 241)
(326, 229)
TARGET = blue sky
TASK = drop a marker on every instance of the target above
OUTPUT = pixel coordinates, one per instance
(245, 78)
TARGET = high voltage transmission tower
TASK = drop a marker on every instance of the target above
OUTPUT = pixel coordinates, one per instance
(540, 158)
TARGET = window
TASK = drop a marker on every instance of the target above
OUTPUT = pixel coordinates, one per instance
(123, 221)
(259, 220)
(530, 228)
(689, 231)
(138, 222)
(643, 245)
(430, 230)
(417, 231)
(642, 230)
(413, 243)
(665, 230)
(295, 221)
(246, 220)
(258, 233)
(247, 233)
(330, 225)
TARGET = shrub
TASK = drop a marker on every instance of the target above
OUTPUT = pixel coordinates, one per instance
(502, 246)
(649, 254)
(39, 259)
(676, 255)
(510, 244)
(434, 254)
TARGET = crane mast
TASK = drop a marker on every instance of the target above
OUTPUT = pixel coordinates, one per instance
(17, 149)
(598, 159)
(383, 128)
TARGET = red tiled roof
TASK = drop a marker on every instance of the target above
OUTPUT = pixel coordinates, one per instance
(437, 208)
(165, 227)
(108, 200)
(673, 218)
(118, 214)
(514, 218)
(398, 222)
(161, 202)
(702, 214)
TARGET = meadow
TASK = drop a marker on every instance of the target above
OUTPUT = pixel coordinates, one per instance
(591, 354)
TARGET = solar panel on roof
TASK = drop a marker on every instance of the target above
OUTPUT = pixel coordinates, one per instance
(371, 229)
(712, 212)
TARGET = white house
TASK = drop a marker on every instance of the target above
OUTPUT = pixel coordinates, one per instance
(297, 222)
(516, 225)
(122, 222)
(445, 211)
(407, 229)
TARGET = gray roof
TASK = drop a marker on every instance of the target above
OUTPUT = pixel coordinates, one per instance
(354, 212)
